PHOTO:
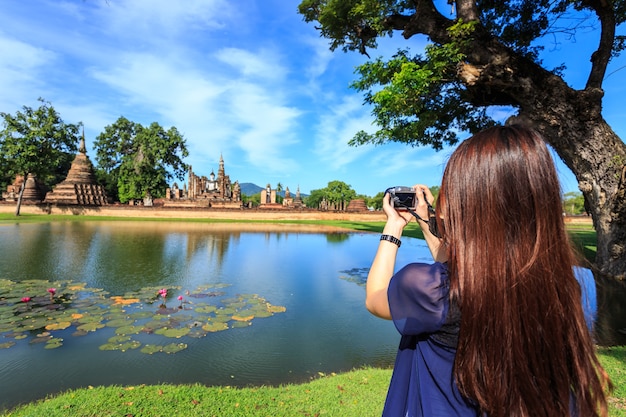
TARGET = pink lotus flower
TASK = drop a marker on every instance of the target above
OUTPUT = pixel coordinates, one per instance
(52, 291)
(180, 298)
(26, 299)
(163, 293)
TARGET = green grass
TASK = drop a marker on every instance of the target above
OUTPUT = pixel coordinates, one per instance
(613, 360)
(357, 393)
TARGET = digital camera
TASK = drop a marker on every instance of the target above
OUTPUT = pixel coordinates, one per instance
(402, 198)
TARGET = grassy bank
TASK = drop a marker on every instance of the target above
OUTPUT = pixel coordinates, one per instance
(357, 393)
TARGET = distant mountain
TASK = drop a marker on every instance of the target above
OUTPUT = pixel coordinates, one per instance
(249, 189)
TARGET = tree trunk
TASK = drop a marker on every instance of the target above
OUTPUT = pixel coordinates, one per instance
(571, 122)
(597, 157)
(19, 196)
(603, 187)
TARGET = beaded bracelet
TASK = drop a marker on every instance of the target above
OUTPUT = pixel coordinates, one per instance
(391, 239)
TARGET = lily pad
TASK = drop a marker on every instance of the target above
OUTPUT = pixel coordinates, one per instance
(58, 326)
(138, 315)
(242, 318)
(120, 322)
(54, 343)
(276, 309)
(151, 349)
(90, 327)
(176, 333)
(124, 301)
(215, 327)
(174, 347)
(119, 339)
(128, 330)
(206, 309)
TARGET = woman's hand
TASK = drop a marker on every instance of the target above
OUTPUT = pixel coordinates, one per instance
(395, 217)
(424, 199)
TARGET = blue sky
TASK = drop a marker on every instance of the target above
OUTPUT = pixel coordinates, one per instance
(246, 79)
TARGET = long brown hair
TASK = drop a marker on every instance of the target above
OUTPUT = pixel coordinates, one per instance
(524, 347)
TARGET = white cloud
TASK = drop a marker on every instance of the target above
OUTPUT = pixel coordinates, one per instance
(212, 111)
(265, 127)
(264, 64)
(165, 17)
(171, 93)
(396, 159)
(322, 56)
(337, 127)
(22, 67)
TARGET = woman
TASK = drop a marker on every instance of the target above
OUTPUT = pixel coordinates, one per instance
(495, 326)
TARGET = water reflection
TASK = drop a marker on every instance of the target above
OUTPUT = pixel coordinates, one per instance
(325, 327)
(611, 321)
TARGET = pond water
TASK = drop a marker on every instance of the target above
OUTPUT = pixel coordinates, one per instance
(316, 277)
(313, 283)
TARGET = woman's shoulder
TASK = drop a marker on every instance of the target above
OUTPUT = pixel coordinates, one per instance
(425, 268)
(418, 298)
(424, 272)
(423, 280)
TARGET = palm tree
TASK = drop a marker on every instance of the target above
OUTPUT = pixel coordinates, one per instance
(279, 189)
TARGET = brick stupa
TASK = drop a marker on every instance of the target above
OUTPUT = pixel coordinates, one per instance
(80, 187)
(34, 191)
(357, 205)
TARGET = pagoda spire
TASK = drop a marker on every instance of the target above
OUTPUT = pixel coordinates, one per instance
(81, 146)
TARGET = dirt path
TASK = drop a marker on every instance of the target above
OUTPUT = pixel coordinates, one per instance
(198, 213)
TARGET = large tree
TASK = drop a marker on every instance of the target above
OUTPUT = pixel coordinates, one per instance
(337, 193)
(36, 142)
(140, 160)
(487, 53)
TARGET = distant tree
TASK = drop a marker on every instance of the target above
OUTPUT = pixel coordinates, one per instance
(435, 192)
(108, 180)
(336, 193)
(36, 142)
(255, 199)
(481, 56)
(376, 202)
(140, 159)
(279, 190)
(340, 194)
(315, 198)
(573, 203)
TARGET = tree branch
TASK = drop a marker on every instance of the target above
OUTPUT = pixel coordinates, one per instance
(426, 20)
(600, 58)
(467, 10)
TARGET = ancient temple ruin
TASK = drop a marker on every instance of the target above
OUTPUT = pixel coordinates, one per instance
(202, 191)
(269, 198)
(34, 190)
(357, 205)
(291, 202)
(80, 186)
